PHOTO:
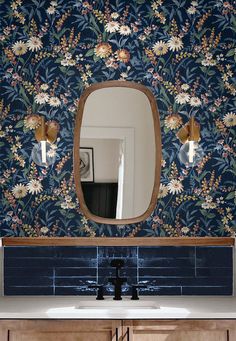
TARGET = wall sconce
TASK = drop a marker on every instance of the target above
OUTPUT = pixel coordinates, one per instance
(44, 152)
(190, 153)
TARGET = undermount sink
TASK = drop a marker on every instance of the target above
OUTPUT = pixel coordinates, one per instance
(112, 304)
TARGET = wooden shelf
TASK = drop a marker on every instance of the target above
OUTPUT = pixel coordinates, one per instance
(126, 241)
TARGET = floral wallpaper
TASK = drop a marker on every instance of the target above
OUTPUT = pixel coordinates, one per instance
(183, 51)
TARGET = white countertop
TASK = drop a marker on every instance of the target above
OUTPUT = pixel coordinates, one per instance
(148, 307)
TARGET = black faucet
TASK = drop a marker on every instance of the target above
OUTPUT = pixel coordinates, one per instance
(117, 281)
(99, 289)
(135, 288)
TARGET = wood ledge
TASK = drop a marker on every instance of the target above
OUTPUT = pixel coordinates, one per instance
(118, 241)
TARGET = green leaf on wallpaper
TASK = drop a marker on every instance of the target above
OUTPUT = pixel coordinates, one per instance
(67, 214)
(203, 212)
(162, 60)
(162, 233)
(24, 96)
(105, 36)
(233, 23)
(26, 171)
(25, 130)
(207, 71)
(211, 73)
(60, 33)
(95, 26)
(207, 214)
(163, 93)
(199, 203)
(58, 60)
(96, 58)
(1, 144)
(63, 69)
(89, 53)
(230, 53)
(70, 73)
(140, 2)
(19, 124)
(145, 59)
(34, 107)
(201, 176)
(231, 195)
(210, 215)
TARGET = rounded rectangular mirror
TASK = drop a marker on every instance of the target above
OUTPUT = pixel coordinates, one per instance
(117, 152)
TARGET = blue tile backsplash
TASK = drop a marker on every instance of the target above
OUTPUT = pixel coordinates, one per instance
(165, 270)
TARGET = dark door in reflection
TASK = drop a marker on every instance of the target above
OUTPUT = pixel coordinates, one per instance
(101, 198)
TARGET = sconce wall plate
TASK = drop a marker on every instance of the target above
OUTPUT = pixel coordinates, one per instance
(49, 131)
(184, 133)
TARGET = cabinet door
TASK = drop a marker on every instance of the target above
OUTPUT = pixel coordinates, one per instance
(178, 336)
(174, 331)
(53, 336)
(232, 334)
(61, 330)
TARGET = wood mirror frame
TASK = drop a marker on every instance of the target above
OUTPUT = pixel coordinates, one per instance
(76, 148)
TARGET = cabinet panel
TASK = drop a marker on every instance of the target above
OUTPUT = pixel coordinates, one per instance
(178, 330)
(61, 330)
(232, 334)
(52, 336)
(179, 336)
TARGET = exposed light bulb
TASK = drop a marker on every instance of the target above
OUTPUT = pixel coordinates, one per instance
(44, 154)
(44, 151)
(191, 153)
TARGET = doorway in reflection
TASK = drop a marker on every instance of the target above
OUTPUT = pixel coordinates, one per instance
(104, 196)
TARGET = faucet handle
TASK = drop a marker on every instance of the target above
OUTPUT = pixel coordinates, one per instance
(135, 288)
(99, 288)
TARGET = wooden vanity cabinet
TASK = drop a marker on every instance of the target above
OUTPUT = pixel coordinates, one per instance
(179, 330)
(61, 330)
(118, 330)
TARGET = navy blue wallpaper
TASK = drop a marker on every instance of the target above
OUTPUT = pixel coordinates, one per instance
(165, 270)
(183, 51)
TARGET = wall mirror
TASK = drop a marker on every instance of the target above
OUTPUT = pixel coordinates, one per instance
(117, 152)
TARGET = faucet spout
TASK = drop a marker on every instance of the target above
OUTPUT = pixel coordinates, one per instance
(117, 281)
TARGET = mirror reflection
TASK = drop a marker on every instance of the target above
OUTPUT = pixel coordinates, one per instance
(117, 152)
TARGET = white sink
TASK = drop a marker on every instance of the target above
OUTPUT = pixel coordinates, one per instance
(109, 303)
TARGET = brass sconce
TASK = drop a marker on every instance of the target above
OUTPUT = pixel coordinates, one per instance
(190, 153)
(44, 152)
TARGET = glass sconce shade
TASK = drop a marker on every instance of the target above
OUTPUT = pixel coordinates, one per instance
(43, 154)
(191, 153)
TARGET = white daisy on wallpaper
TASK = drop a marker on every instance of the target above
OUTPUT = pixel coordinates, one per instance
(19, 48)
(182, 98)
(230, 119)
(19, 191)
(175, 186)
(195, 102)
(112, 26)
(34, 186)
(41, 98)
(175, 44)
(34, 44)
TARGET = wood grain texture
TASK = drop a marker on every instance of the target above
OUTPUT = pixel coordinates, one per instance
(76, 157)
(61, 336)
(60, 330)
(179, 330)
(104, 330)
(218, 335)
(127, 241)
